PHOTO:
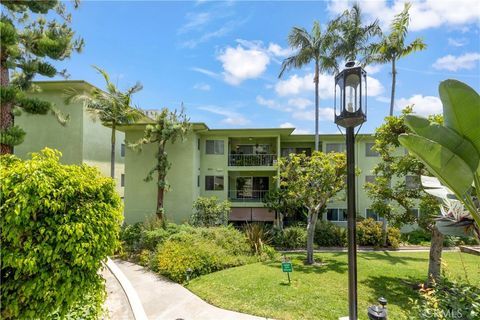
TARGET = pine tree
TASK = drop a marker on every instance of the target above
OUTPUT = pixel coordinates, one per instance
(29, 42)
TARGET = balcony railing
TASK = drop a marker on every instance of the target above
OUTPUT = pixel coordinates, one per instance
(247, 195)
(243, 160)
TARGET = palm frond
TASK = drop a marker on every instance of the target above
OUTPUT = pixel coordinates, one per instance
(416, 45)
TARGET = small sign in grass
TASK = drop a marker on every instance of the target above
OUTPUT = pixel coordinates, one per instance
(287, 267)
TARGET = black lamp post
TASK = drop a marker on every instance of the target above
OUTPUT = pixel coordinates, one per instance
(351, 102)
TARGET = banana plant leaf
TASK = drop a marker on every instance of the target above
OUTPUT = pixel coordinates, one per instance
(448, 167)
(461, 110)
(446, 137)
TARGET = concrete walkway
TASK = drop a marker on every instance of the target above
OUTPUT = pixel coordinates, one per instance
(163, 299)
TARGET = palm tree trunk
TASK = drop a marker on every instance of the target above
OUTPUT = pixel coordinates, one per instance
(312, 221)
(6, 116)
(316, 107)
(435, 259)
(394, 79)
(112, 152)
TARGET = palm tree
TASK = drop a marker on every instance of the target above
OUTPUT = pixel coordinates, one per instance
(351, 36)
(311, 47)
(392, 47)
(112, 107)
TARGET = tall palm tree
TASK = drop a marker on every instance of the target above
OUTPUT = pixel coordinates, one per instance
(392, 47)
(112, 107)
(352, 36)
(315, 47)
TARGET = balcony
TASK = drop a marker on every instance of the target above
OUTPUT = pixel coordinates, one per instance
(251, 160)
(247, 195)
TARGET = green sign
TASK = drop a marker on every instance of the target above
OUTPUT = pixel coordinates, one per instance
(287, 267)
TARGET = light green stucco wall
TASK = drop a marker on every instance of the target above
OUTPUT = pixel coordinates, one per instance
(141, 196)
(81, 140)
(45, 131)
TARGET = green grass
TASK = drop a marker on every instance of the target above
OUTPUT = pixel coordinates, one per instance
(320, 292)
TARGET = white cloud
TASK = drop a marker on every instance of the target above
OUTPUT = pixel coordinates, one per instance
(424, 14)
(300, 103)
(202, 86)
(460, 42)
(205, 72)
(297, 130)
(278, 51)
(194, 21)
(424, 105)
(372, 69)
(270, 103)
(230, 117)
(240, 64)
(295, 85)
(452, 63)
(324, 114)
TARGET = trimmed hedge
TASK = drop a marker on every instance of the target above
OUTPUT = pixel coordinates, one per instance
(328, 234)
(58, 223)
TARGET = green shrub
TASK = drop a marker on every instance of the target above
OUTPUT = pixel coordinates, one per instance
(269, 253)
(327, 234)
(393, 237)
(369, 233)
(228, 238)
(447, 299)
(58, 223)
(208, 212)
(294, 238)
(184, 252)
(417, 237)
(131, 237)
(257, 236)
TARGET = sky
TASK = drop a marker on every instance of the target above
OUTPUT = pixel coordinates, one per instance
(222, 59)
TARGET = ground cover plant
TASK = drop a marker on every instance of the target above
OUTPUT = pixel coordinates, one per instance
(58, 223)
(174, 249)
(320, 291)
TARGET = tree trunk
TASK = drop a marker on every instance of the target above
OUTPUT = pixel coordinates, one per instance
(112, 152)
(6, 116)
(312, 221)
(435, 262)
(394, 78)
(385, 232)
(160, 195)
(317, 143)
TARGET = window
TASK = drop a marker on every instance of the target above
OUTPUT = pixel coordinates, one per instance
(122, 150)
(122, 180)
(335, 147)
(372, 214)
(198, 181)
(337, 214)
(370, 179)
(214, 147)
(369, 151)
(412, 182)
(286, 151)
(213, 183)
(198, 144)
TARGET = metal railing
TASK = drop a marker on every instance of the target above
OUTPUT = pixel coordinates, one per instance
(243, 160)
(247, 195)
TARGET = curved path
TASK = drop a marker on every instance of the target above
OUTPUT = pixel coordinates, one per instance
(163, 299)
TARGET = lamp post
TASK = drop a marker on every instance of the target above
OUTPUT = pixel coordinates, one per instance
(351, 102)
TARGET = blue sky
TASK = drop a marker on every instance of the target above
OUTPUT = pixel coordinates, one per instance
(222, 59)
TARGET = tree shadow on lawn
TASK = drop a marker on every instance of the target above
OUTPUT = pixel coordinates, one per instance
(322, 265)
(395, 290)
(391, 259)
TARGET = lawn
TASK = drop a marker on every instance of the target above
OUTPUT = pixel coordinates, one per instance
(320, 292)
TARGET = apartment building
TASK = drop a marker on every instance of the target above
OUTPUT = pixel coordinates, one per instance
(82, 140)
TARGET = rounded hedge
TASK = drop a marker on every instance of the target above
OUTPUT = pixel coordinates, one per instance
(58, 223)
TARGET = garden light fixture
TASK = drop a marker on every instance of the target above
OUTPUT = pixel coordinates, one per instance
(351, 102)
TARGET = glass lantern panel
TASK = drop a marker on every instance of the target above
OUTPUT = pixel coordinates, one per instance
(352, 92)
(364, 93)
(338, 98)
